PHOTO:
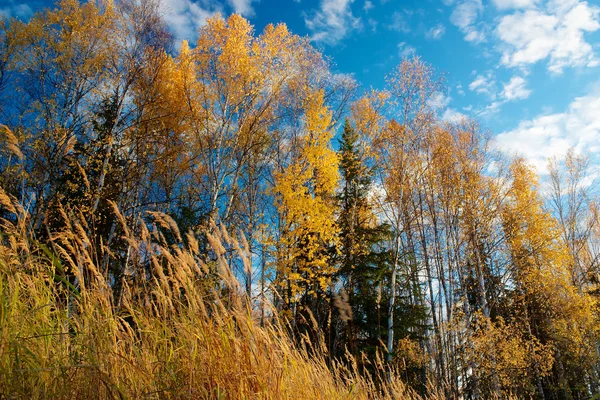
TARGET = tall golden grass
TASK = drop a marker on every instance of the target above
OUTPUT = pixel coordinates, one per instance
(167, 336)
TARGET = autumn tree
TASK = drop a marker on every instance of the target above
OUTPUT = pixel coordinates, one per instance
(412, 85)
(547, 309)
(571, 198)
(305, 197)
(59, 62)
(414, 238)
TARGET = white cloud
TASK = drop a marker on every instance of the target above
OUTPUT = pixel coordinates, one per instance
(474, 35)
(484, 85)
(465, 16)
(439, 101)
(493, 108)
(553, 134)
(368, 5)
(556, 34)
(399, 22)
(506, 4)
(243, 7)
(185, 17)
(21, 11)
(439, 104)
(332, 22)
(436, 32)
(372, 24)
(515, 89)
(405, 50)
(451, 115)
(466, 13)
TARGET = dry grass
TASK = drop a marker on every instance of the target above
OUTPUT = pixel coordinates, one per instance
(166, 337)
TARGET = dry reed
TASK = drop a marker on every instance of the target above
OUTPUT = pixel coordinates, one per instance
(166, 336)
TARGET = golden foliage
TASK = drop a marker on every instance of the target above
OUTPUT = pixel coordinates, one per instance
(505, 358)
(305, 199)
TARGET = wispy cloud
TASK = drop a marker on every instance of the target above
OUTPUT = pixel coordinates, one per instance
(243, 7)
(332, 22)
(484, 84)
(452, 115)
(405, 50)
(185, 17)
(508, 4)
(400, 22)
(436, 32)
(465, 17)
(439, 101)
(514, 89)
(373, 24)
(16, 10)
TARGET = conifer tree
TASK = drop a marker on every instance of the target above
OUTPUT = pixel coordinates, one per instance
(364, 258)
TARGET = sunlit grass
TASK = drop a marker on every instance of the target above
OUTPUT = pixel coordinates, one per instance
(167, 336)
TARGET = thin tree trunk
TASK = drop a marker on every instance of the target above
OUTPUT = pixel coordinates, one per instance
(392, 304)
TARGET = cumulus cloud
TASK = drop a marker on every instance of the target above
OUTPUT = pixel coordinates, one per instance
(551, 135)
(436, 32)
(368, 5)
(555, 33)
(515, 89)
(465, 16)
(332, 22)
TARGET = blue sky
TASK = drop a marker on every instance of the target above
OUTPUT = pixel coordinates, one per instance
(529, 70)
